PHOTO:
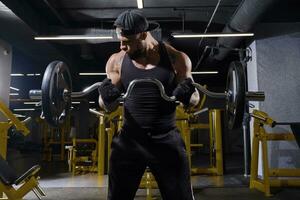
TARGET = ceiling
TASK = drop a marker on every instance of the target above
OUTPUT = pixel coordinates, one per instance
(22, 20)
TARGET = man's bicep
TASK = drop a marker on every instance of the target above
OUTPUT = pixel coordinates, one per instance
(183, 67)
(112, 71)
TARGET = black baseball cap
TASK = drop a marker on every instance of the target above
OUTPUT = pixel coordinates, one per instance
(132, 22)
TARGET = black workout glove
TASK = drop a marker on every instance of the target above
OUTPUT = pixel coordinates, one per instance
(109, 92)
(184, 91)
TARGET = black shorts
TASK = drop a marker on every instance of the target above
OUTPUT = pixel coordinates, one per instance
(164, 154)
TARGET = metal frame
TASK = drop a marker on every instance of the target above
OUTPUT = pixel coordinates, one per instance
(260, 135)
(215, 135)
(4, 126)
(105, 133)
(18, 193)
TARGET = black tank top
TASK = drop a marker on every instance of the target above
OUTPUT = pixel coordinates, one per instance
(145, 109)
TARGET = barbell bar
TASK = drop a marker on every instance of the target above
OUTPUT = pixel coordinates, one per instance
(56, 93)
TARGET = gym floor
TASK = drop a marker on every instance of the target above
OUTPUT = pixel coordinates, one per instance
(58, 183)
(92, 187)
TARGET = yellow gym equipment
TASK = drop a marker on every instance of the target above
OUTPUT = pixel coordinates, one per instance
(54, 136)
(109, 124)
(272, 177)
(83, 155)
(215, 134)
(4, 126)
(14, 187)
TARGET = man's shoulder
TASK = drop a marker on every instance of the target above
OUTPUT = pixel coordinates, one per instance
(174, 54)
(115, 60)
(117, 56)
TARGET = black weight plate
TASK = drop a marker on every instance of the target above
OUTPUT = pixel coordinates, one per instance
(56, 81)
(235, 88)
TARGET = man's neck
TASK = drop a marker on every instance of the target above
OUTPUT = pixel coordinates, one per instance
(151, 52)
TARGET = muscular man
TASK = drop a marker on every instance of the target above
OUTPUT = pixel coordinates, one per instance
(149, 137)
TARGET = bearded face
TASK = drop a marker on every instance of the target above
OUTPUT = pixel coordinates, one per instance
(132, 45)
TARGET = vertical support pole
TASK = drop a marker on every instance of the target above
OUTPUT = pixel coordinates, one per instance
(62, 143)
(187, 139)
(110, 131)
(255, 154)
(101, 145)
(211, 138)
(265, 161)
(216, 116)
(73, 156)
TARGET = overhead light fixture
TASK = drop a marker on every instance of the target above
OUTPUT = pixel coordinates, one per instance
(207, 35)
(17, 74)
(77, 102)
(92, 74)
(31, 103)
(31, 74)
(24, 109)
(140, 4)
(206, 72)
(73, 37)
(21, 116)
(15, 89)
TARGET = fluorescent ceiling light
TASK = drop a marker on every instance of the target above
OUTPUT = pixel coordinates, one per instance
(206, 72)
(77, 102)
(13, 94)
(31, 74)
(212, 35)
(23, 116)
(73, 37)
(140, 4)
(31, 103)
(92, 74)
(13, 88)
(17, 74)
(24, 109)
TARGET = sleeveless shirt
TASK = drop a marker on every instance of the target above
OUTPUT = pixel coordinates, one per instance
(145, 109)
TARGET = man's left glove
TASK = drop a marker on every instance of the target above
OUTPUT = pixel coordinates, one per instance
(184, 91)
(109, 92)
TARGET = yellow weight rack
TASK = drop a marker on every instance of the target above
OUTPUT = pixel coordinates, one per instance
(272, 177)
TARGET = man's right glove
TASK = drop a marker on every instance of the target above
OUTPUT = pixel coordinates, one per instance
(109, 92)
(184, 91)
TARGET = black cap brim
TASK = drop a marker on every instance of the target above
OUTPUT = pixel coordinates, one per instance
(152, 26)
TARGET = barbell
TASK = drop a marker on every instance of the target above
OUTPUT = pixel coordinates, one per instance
(56, 93)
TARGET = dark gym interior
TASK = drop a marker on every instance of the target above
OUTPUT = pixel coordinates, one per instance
(257, 158)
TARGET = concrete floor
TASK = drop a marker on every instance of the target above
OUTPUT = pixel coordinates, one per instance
(59, 184)
(90, 186)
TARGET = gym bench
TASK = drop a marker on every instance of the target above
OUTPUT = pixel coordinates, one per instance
(14, 187)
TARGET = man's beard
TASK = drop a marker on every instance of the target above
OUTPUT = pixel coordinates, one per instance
(136, 54)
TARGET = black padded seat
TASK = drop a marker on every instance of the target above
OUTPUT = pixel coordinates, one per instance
(28, 174)
(9, 177)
